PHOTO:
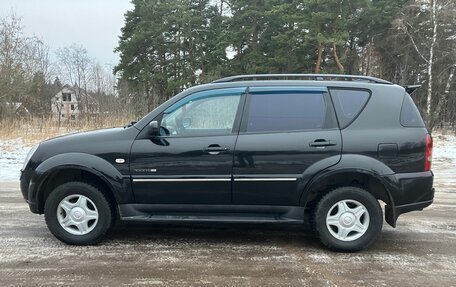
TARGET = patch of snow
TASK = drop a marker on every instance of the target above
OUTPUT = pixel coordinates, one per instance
(320, 258)
(12, 156)
(444, 162)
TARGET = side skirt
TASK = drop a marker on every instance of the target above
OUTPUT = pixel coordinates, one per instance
(211, 213)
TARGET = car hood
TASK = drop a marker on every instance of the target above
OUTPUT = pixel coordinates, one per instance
(85, 136)
(97, 142)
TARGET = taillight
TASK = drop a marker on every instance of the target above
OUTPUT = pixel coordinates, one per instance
(428, 154)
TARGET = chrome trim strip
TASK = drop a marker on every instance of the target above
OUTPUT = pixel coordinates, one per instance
(179, 179)
(266, 179)
(213, 179)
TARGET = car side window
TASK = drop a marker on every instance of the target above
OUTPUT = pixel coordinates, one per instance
(348, 103)
(271, 112)
(202, 114)
(410, 116)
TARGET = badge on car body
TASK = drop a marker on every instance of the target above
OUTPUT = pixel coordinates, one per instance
(120, 160)
(145, 170)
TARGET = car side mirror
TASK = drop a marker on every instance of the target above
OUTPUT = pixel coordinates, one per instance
(154, 129)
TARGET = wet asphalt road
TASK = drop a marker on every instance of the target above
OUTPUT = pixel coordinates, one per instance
(421, 251)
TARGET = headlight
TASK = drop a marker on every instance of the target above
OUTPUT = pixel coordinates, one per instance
(29, 155)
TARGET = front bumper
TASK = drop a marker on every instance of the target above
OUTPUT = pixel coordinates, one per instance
(25, 182)
(409, 192)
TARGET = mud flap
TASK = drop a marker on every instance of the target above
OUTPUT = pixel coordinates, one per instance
(390, 215)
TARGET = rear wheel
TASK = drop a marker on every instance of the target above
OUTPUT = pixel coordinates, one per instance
(78, 213)
(348, 219)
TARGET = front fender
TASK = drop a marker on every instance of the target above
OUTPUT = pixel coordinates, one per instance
(87, 162)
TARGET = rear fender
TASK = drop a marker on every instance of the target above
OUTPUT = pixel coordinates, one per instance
(348, 165)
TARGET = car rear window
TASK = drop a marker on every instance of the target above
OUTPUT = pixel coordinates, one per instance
(285, 111)
(348, 104)
(410, 116)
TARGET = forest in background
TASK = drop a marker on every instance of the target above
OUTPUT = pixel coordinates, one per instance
(167, 46)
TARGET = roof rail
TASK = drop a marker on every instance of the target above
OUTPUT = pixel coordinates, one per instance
(316, 77)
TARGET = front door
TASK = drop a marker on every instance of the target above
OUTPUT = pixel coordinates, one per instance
(191, 161)
(284, 132)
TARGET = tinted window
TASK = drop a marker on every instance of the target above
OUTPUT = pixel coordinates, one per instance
(201, 115)
(348, 104)
(410, 116)
(281, 112)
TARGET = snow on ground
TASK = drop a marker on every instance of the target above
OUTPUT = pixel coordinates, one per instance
(12, 156)
(14, 151)
(444, 162)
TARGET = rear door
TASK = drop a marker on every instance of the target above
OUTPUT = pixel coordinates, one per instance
(284, 132)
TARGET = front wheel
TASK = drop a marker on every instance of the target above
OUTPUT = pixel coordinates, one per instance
(78, 213)
(348, 219)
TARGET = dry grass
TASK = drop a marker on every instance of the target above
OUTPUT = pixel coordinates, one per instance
(35, 130)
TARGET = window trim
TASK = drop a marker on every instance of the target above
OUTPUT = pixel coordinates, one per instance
(335, 106)
(329, 110)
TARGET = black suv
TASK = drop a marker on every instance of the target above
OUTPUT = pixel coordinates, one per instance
(254, 148)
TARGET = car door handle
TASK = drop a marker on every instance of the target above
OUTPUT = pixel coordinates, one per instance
(322, 143)
(216, 149)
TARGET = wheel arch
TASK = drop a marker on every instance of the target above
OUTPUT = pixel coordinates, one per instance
(75, 167)
(346, 177)
(352, 170)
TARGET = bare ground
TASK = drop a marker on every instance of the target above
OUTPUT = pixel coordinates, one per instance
(421, 251)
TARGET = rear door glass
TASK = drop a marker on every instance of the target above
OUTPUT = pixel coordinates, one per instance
(348, 104)
(275, 112)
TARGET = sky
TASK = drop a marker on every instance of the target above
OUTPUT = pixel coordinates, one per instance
(95, 24)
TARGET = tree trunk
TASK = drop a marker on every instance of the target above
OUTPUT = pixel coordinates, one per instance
(369, 57)
(221, 7)
(337, 60)
(320, 52)
(431, 60)
(443, 100)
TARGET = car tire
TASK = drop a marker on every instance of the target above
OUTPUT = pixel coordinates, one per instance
(78, 213)
(348, 219)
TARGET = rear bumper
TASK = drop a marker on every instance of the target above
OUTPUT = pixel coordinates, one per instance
(409, 192)
(412, 207)
(392, 213)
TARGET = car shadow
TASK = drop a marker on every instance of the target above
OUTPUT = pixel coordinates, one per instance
(213, 232)
(297, 235)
